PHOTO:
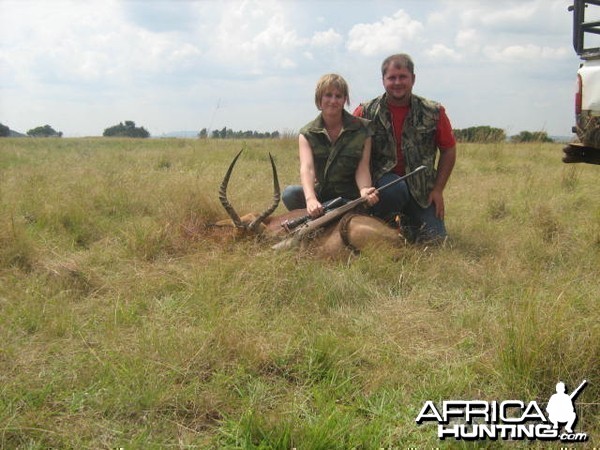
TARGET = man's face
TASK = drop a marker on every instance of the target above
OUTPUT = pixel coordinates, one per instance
(398, 84)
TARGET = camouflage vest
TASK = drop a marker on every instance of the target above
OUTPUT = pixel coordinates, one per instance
(336, 164)
(418, 142)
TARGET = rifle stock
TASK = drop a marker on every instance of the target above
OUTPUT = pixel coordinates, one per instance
(310, 226)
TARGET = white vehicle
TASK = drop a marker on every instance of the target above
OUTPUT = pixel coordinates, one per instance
(586, 41)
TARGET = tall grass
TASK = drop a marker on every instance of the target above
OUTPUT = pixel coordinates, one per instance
(126, 321)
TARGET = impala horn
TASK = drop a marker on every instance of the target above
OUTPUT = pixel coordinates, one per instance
(276, 197)
(223, 194)
(253, 226)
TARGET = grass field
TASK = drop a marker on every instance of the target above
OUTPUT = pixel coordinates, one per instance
(126, 322)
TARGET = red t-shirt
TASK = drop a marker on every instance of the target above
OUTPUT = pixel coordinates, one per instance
(444, 138)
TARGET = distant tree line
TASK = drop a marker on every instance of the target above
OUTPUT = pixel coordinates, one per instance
(127, 129)
(480, 134)
(228, 133)
(529, 136)
(483, 134)
(42, 131)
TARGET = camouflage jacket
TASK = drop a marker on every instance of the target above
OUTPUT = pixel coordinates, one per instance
(336, 164)
(417, 141)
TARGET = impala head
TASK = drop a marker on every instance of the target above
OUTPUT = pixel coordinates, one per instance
(250, 223)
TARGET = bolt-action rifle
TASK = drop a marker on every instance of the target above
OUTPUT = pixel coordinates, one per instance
(305, 225)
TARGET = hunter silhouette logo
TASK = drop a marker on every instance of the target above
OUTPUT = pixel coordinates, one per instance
(560, 407)
(472, 420)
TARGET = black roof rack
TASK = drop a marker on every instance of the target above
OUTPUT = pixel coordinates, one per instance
(581, 28)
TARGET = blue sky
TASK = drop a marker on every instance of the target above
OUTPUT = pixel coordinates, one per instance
(82, 66)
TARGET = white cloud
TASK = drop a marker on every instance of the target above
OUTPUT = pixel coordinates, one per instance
(504, 17)
(91, 42)
(499, 14)
(440, 51)
(519, 53)
(468, 38)
(288, 63)
(252, 35)
(327, 39)
(385, 36)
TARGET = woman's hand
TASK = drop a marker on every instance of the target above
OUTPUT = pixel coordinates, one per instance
(363, 176)
(314, 207)
(371, 194)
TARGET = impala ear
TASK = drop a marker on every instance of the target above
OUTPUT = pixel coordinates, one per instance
(245, 219)
(225, 223)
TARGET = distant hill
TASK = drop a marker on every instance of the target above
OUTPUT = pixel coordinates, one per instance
(13, 133)
(563, 139)
(178, 134)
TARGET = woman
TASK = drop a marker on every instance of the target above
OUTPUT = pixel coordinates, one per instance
(335, 152)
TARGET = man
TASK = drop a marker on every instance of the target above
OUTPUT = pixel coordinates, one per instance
(409, 131)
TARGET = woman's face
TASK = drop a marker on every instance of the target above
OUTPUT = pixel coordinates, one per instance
(332, 100)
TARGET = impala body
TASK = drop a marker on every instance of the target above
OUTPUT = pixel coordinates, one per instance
(349, 233)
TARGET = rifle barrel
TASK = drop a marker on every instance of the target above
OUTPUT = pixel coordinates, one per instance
(398, 180)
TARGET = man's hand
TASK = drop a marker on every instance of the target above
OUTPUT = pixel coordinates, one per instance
(445, 166)
(437, 198)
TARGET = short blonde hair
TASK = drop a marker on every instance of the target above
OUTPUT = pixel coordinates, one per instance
(327, 82)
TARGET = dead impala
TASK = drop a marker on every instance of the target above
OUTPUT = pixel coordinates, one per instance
(347, 232)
